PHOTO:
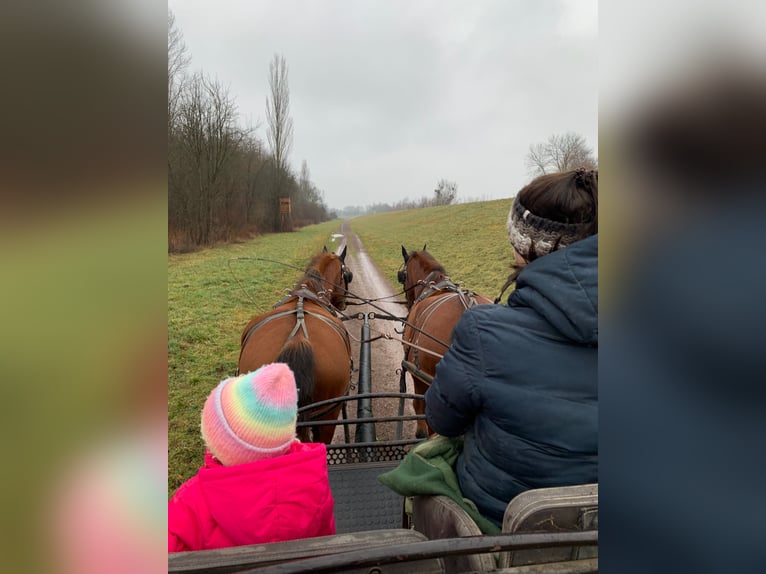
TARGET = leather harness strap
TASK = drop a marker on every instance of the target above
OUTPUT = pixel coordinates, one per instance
(430, 287)
(300, 322)
(467, 299)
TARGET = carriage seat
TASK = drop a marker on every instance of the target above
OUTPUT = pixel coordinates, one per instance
(241, 558)
(560, 509)
(441, 517)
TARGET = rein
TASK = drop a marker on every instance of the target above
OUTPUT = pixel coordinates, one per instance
(507, 284)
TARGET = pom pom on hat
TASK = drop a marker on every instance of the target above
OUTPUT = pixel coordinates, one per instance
(252, 416)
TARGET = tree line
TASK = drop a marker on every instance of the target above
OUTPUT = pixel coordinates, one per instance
(223, 182)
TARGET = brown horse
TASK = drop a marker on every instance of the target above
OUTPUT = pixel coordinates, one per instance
(435, 305)
(304, 331)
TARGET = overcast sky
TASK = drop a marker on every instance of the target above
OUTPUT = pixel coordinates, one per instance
(390, 96)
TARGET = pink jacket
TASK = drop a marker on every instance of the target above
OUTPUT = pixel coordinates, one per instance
(282, 498)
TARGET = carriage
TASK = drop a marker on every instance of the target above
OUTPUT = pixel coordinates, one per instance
(547, 531)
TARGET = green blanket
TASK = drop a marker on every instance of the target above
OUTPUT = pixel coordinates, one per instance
(428, 469)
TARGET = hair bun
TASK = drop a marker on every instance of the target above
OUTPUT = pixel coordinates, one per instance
(581, 173)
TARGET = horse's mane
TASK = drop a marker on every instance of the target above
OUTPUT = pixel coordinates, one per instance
(312, 277)
(426, 265)
(315, 261)
(427, 262)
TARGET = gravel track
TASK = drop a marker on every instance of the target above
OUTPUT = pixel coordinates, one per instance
(386, 355)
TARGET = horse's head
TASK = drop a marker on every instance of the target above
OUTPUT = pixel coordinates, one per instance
(328, 277)
(419, 269)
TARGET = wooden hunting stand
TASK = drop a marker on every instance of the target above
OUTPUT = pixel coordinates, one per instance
(285, 214)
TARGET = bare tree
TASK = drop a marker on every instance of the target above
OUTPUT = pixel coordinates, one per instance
(222, 181)
(280, 133)
(445, 192)
(560, 152)
(304, 183)
(208, 137)
(537, 158)
(280, 124)
(178, 61)
(254, 162)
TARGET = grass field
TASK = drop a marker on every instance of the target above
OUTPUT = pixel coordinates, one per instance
(208, 308)
(469, 240)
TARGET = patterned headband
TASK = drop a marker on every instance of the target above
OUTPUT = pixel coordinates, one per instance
(526, 229)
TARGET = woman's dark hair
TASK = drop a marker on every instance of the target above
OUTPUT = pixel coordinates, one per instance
(565, 197)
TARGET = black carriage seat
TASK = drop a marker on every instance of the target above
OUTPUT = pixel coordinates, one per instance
(257, 556)
(561, 509)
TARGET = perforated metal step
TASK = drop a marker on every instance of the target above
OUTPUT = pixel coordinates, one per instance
(361, 501)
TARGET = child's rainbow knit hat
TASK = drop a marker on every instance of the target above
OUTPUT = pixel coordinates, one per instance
(252, 416)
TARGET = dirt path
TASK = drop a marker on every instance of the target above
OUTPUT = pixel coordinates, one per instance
(386, 355)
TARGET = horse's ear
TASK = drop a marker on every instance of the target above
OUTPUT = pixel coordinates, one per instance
(342, 254)
(324, 249)
(424, 247)
(404, 254)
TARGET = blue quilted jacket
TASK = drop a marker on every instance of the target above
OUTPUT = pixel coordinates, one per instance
(520, 381)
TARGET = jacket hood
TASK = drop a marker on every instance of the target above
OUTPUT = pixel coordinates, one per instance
(248, 500)
(563, 288)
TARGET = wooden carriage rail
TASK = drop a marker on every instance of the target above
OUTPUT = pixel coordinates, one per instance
(378, 556)
(239, 558)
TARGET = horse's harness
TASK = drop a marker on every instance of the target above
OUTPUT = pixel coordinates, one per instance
(467, 298)
(447, 287)
(300, 325)
(300, 317)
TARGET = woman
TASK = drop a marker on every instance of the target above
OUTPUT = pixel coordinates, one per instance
(519, 380)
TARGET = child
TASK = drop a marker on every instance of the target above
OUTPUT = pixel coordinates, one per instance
(259, 484)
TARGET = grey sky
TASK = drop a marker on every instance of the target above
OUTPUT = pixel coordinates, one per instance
(389, 96)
